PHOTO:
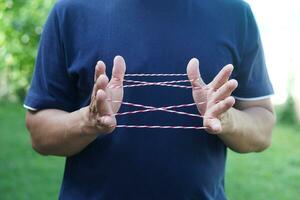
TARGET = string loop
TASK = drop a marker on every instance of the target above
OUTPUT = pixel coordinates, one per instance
(169, 109)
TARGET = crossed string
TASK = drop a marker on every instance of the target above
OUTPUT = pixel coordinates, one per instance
(146, 108)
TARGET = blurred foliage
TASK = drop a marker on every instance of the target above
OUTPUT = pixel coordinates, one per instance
(286, 112)
(21, 24)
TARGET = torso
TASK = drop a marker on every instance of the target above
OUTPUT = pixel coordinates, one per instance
(156, 37)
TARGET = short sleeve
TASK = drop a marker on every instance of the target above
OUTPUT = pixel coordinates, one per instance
(51, 85)
(252, 74)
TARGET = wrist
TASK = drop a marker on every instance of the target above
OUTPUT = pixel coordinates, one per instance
(228, 122)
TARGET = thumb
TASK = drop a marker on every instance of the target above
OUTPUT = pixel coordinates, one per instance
(193, 73)
(118, 71)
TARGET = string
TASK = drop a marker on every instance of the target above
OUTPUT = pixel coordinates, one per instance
(170, 109)
(140, 75)
(152, 109)
(161, 127)
(165, 83)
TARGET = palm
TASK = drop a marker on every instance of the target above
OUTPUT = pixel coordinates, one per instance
(200, 95)
(115, 93)
(212, 99)
(107, 95)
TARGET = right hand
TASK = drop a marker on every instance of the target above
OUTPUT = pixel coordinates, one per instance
(98, 116)
(214, 100)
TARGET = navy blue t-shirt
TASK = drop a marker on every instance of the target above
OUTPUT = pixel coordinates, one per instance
(154, 37)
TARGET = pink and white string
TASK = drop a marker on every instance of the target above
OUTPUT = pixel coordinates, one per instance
(146, 108)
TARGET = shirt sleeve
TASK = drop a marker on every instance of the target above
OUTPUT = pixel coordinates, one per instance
(51, 85)
(252, 74)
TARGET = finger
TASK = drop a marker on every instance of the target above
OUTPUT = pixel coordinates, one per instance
(103, 106)
(224, 92)
(107, 121)
(118, 71)
(193, 73)
(101, 82)
(99, 69)
(213, 125)
(221, 107)
(222, 77)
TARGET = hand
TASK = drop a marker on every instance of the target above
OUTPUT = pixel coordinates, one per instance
(98, 115)
(213, 99)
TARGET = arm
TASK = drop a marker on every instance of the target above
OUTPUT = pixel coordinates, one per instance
(245, 127)
(56, 132)
(248, 126)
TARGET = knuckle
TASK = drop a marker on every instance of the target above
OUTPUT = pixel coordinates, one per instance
(227, 104)
(232, 84)
(98, 81)
(223, 105)
(212, 101)
(101, 94)
(103, 79)
(117, 78)
(228, 86)
(109, 128)
(105, 124)
(231, 87)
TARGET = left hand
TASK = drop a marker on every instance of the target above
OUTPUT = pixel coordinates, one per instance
(98, 115)
(213, 100)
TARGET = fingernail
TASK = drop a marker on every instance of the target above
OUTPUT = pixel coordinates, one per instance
(229, 65)
(99, 63)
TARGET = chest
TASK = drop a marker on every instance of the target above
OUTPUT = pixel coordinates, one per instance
(150, 40)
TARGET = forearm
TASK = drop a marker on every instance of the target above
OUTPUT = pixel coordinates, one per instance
(55, 132)
(248, 130)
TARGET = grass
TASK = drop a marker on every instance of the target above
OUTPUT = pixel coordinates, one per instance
(23, 173)
(273, 174)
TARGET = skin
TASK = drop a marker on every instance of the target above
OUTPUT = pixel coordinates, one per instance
(56, 132)
(244, 126)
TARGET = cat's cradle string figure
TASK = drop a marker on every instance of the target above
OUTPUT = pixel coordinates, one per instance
(146, 108)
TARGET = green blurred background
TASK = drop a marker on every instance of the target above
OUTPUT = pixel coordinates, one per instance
(273, 174)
